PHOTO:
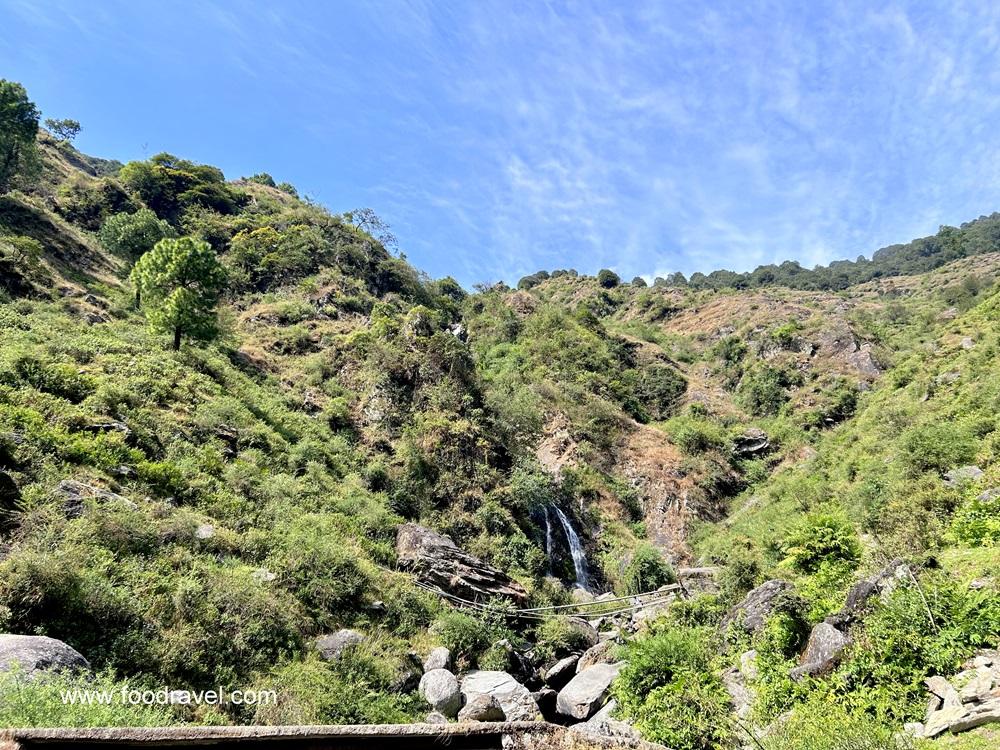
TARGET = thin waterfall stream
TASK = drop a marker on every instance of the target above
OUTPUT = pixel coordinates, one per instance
(575, 548)
(548, 538)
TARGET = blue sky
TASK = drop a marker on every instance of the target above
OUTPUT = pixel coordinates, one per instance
(502, 137)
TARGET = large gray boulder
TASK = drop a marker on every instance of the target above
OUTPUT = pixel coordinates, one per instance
(752, 613)
(38, 653)
(823, 651)
(332, 647)
(439, 688)
(586, 692)
(514, 698)
(436, 560)
(962, 476)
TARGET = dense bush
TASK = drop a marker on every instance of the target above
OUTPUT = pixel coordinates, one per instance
(821, 538)
(670, 691)
(608, 279)
(937, 447)
(647, 571)
(131, 235)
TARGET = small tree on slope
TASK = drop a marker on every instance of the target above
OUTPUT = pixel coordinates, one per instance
(179, 282)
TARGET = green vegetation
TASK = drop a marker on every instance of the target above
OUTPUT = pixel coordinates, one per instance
(18, 127)
(243, 491)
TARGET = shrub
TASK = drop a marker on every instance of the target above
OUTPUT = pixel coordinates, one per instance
(694, 434)
(820, 725)
(464, 635)
(647, 571)
(821, 538)
(762, 390)
(742, 571)
(608, 279)
(133, 235)
(669, 690)
(977, 521)
(937, 447)
(659, 390)
(557, 637)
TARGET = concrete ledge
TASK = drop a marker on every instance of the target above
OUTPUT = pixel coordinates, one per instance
(467, 736)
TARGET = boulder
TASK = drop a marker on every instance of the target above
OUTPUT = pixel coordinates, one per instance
(599, 654)
(74, 494)
(944, 691)
(974, 684)
(110, 425)
(588, 633)
(939, 721)
(586, 692)
(437, 561)
(38, 653)
(825, 647)
(603, 724)
(753, 442)
(751, 614)
(748, 664)
(332, 647)
(514, 698)
(546, 700)
(481, 708)
(962, 476)
(698, 580)
(439, 658)
(984, 713)
(439, 688)
(436, 717)
(561, 672)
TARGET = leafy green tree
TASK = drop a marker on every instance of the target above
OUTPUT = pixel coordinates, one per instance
(133, 235)
(63, 130)
(18, 129)
(180, 281)
(608, 279)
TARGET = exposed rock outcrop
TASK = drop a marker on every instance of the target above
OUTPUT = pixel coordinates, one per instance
(436, 560)
(965, 701)
(75, 494)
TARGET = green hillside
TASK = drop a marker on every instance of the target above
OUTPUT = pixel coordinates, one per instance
(219, 401)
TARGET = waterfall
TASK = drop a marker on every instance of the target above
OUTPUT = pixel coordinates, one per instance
(576, 549)
(548, 538)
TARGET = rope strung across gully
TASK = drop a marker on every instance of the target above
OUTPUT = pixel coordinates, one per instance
(660, 596)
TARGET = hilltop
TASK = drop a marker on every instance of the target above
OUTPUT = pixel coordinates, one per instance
(213, 515)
